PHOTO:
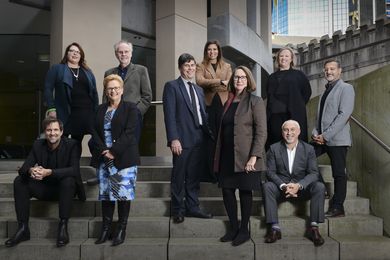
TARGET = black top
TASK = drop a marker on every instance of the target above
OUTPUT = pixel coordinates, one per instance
(328, 89)
(288, 91)
(80, 90)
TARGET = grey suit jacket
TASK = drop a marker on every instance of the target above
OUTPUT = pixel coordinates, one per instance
(338, 108)
(136, 86)
(305, 168)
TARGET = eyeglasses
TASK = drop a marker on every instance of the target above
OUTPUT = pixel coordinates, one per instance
(116, 89)
(74, 51)
(236, 78)
(123, 52)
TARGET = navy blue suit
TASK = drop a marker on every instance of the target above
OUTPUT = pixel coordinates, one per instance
(180, 125)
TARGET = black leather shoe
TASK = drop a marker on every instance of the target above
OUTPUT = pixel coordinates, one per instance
(314, 235)
(106, 230)
(198, 214)
(120, 235)
(334, 213)
(178, 219)
(273, 235)
(22, 234)
(241, 238)
(62, 235)
(229, 236)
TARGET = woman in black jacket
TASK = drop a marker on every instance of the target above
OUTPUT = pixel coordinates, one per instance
(115, 156)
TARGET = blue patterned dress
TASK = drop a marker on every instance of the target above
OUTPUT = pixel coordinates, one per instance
(113, 184)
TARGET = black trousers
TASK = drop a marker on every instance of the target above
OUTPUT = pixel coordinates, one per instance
(338, 157)
(185, 179)
(51, 189)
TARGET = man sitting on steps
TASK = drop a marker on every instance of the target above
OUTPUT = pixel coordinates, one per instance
(293, 174)
(50, 172)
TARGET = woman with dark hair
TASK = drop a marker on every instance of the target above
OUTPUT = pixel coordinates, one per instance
(115, 156)
(288, 91)
(240, 155)
(70, 93)
(213, 75)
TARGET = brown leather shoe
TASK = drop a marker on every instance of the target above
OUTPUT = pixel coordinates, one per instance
(314, 235)
(273, 235)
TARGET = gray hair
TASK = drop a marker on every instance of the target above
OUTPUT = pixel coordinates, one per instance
(292, 122)
(125, 42)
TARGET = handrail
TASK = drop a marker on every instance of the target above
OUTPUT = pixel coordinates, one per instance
(157, 102)
(371, 134)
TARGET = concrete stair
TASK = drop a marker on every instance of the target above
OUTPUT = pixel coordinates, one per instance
(152, 235)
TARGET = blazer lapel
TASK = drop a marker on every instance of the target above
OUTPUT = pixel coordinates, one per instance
(283, 154)
(184, 92)
(210, 69)
(130, 70)
(298, 154)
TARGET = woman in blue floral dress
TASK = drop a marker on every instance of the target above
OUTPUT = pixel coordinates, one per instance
(115, 156)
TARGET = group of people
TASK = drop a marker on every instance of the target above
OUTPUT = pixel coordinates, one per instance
(52, 170)
(213, 123)
(242, 128)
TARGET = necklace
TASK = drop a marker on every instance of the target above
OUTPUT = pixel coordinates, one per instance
(76, 75)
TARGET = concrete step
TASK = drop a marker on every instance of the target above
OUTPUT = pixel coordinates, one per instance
(293, 248)
(137, 227)
(132, 248)
(47, 227)
(356, 225)
(41, 249)
(290, 226)
(363, 247)
(208, 248)
(351, 188)
(154, 207)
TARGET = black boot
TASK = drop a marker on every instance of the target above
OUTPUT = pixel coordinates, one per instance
(22, 234)
(123, 214)
(107, 212)
(62, 235)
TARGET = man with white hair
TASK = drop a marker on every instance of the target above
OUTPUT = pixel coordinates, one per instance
(293, 174)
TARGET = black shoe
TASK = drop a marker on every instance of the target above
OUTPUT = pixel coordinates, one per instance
(273, 235)
(106, 230)
(62, 235)
(241, 238)
(334, 213)
(120, 235)
(198, 214)
(178, 219)
(314, 235)
(22, 234)
(229, 236)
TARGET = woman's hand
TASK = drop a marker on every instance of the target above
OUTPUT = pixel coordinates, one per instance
(250, 165)
(108, 154)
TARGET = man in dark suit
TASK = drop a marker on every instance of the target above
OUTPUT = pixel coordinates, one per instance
(186, 125)
(293, 174)
(50, 172)
(332, 132)
(136, 87)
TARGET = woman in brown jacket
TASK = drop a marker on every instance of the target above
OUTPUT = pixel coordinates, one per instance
(240, 154)
(213, 75)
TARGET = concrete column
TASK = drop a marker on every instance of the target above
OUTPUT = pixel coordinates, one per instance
(181, 26)
(237, 8)
(95, 25)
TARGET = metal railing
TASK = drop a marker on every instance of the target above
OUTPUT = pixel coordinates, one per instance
(371, 134)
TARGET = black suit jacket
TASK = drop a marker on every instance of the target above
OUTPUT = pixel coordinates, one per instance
(124, 142)
(305, 168)
(68, 161)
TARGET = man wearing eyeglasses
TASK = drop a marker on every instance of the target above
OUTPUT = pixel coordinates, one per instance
(186, 127)
(136, 87)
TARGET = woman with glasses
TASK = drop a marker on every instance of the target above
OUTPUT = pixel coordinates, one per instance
(70, 93)
(115, 156)
(240, 155)
(288, 91)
